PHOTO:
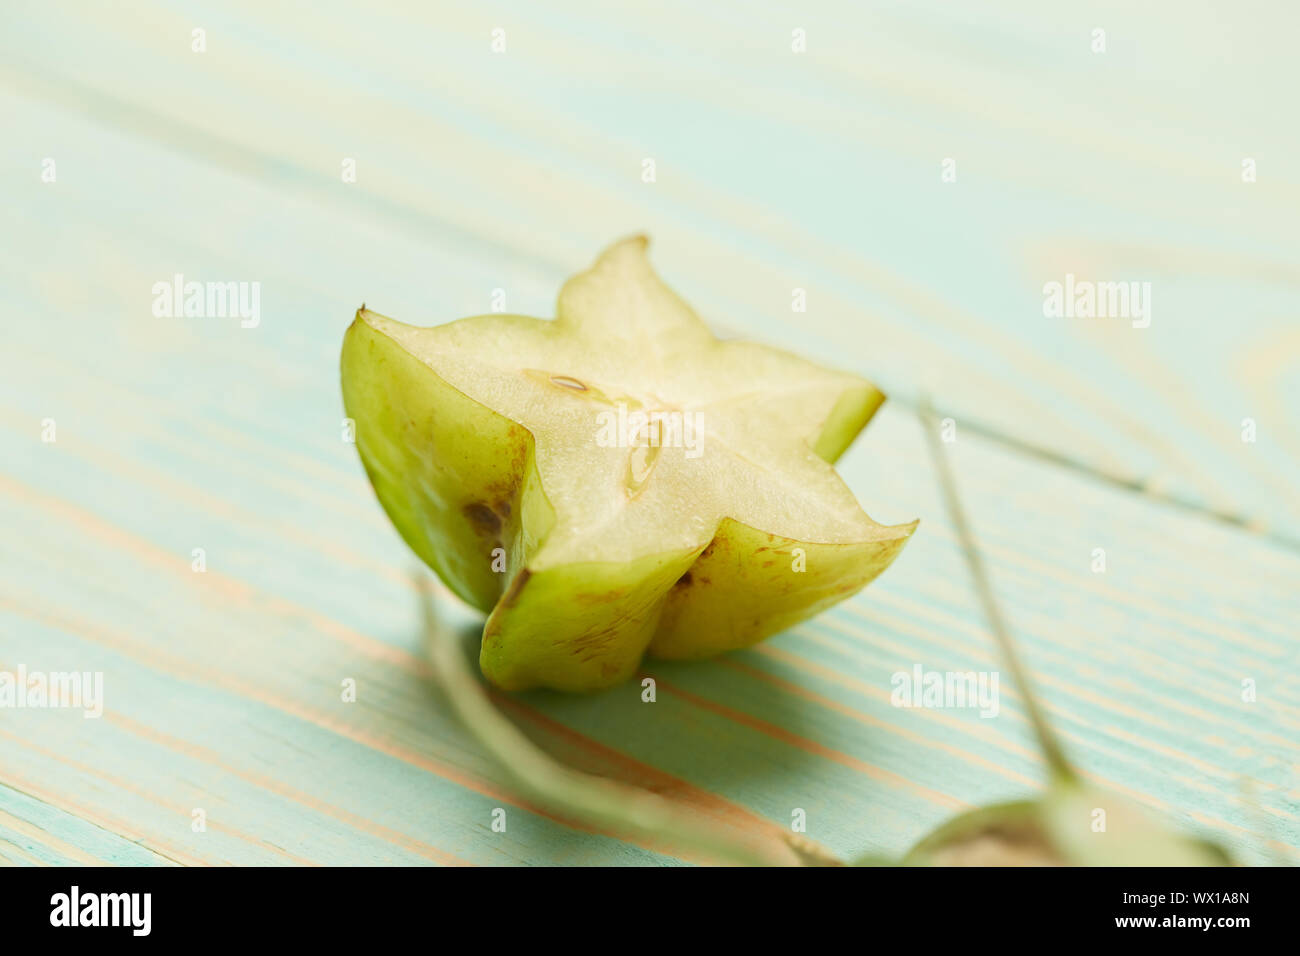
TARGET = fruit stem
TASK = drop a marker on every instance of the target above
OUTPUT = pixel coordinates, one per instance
(1059, 769)
(577, 796)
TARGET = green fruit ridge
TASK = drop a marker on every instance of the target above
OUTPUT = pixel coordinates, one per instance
(616, 481)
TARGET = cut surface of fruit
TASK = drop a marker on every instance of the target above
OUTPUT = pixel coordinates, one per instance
(614, 480)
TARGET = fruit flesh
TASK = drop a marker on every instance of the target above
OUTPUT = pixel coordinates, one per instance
(482, 438)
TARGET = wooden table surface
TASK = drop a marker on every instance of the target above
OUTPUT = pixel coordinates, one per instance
(775, 170)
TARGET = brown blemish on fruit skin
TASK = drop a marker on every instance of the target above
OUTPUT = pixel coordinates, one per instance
(511, 597)
(596, 642)
(589, 599)
(485, 520)
(691, 578)
(493, 511)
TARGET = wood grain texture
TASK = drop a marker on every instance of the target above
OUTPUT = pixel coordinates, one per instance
(479, 171)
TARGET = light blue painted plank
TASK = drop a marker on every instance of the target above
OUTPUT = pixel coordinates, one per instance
(99, 843)
(175, 434)
(819, 169)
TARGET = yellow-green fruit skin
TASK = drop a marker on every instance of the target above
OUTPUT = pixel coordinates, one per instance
(448, 471)
(460, 483)
(748, 585)
(580, 627)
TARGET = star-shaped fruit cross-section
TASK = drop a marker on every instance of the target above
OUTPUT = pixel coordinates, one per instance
(615, 481)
